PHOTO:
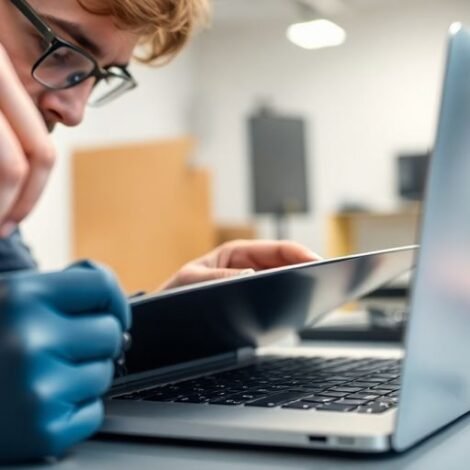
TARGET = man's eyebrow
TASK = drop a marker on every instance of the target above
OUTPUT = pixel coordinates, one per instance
(77, 33)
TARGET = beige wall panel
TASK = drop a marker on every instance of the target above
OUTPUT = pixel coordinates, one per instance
(141, 209)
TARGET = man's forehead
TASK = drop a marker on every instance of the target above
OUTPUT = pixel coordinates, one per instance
(78, 32)
(96, 33)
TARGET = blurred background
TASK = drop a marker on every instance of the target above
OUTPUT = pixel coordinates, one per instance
(247, 134)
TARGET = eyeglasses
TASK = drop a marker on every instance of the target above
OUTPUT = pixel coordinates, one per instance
(64, 65)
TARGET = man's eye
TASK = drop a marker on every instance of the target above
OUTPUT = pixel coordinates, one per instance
(76, 77)
(61, 55)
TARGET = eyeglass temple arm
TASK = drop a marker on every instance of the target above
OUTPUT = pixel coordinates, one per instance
(31, 15)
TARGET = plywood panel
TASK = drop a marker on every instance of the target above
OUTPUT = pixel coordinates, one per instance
(141, 209)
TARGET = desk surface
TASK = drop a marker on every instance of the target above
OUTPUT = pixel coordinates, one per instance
(449, 449)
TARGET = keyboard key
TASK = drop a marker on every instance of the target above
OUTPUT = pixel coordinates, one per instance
(300, 405)
(362, 396)
(252, 395)
(193, 399)
(387, 376)
(374, 408)
(143, 394)
(347, 401)
(237, 399)
(311, 391)
(379, 390)
(162, 397)
(356, 374)
(127, 396)
(392, 388)
(322, 385)
(318, 399)
(212, 393)
(329, 393)
(227, 401)
(376, 380)
(335, 407)
(388, 400)
(347, 389)
(268, 390)
(362, 384)
(277, 399)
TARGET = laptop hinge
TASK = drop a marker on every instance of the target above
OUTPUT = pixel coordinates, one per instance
(245, 354)
(182, 371)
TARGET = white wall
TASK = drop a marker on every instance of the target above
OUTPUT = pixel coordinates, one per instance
(365, 102)
(158, 108)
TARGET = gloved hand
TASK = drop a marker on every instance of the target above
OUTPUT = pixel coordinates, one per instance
(59, 333)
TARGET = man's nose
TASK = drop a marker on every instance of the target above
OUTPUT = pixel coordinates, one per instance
(66, 106)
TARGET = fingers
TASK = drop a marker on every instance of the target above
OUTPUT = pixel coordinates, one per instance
(263, 254)
(28, 154)
(62, 382)
(20, 111)
(33, 186)
(85, 288)
(194, 274)
(234, 258)
(13, 168)
(72, 428)
(67, 403)
(79, 313)
(89, 338)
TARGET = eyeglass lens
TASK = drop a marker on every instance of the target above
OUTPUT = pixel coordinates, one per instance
(63, 67)
(66, 67)
(109, 88)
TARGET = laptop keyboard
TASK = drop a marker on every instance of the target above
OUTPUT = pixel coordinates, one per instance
(366, 385)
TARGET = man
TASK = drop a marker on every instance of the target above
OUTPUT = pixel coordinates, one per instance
(59, 332)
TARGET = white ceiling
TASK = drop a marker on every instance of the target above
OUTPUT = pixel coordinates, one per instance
(237, 11)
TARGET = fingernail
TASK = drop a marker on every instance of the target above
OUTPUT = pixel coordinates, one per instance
(7, 229)
(314, 255)
(247, 272)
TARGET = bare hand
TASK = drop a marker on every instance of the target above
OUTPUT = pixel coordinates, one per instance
(238, 257)
(26, 150)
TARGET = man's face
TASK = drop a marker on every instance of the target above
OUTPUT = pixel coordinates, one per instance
(96, 34)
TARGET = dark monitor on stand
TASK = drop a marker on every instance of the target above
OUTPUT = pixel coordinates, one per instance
(412, 170)
(278, 165)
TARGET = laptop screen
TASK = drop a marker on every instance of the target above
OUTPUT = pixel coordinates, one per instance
(436, 376)
(217, 318)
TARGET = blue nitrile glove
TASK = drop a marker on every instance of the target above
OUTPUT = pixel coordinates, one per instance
(59, 333)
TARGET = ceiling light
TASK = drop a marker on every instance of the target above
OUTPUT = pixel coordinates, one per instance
(316, 34)
(455, 28)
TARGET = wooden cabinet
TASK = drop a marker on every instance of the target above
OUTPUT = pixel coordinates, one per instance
(142, 209)
(354, 232)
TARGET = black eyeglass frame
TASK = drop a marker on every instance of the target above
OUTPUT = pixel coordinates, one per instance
(55, 42)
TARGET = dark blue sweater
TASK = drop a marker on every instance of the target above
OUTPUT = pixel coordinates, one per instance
(15, 255)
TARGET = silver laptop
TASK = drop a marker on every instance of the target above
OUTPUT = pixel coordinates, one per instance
(198, 371)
